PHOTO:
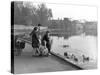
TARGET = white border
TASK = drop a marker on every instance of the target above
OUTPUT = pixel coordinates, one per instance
(5, 37)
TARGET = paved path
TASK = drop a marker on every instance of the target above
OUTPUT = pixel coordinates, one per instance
(28, 64)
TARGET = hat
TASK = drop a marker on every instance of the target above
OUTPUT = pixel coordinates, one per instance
(35, 28)
(39, 25)
(47, 31)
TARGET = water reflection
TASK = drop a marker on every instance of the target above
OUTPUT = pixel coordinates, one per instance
(78, 45)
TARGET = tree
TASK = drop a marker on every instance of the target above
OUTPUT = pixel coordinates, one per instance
(17, 12)
(27, 14)
(44, 14)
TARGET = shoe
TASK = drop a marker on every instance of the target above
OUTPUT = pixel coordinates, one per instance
(40, 55)
(49, 54)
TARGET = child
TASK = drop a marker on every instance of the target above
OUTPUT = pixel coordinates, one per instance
(47, 39)
(43, 49)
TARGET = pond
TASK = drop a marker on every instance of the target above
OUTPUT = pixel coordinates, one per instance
(77, 45)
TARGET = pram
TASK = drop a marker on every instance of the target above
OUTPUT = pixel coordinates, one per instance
(19, 45)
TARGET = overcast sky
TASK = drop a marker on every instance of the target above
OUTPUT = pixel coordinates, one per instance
(72, 11)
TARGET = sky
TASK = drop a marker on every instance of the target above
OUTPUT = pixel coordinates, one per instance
(78, 12)
(73, 11)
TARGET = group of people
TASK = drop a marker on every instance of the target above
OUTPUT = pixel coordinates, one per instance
(41, 44)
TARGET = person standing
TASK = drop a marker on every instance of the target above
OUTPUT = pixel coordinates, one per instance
(35, 42)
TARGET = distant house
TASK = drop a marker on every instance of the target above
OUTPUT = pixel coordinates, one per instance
(77, 27)
(90, 28)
